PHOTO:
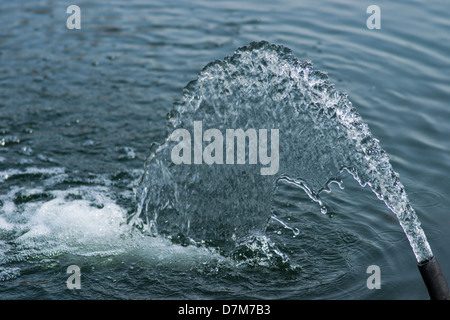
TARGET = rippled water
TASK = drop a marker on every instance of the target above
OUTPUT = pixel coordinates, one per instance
(80, 109)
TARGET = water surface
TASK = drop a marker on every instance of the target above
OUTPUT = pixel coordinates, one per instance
(79, 110)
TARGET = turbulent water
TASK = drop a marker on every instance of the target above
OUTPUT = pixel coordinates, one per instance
(263, 86)
(80, 108)
(214, 219)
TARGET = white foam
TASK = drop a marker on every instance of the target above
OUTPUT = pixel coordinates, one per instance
(9, 273)
(5, 175)
(76, 220)
(84, 221)
(5, 225)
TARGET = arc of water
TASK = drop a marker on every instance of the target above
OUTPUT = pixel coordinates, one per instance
(261, 86)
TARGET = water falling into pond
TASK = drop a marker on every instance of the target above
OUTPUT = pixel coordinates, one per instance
(321, 137)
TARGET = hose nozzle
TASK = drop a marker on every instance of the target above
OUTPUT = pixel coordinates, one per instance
(434, 279)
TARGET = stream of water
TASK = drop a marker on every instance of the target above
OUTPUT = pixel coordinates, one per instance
(86, 170)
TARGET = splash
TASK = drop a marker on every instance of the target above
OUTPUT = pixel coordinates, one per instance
(263, 86)
(46, 225)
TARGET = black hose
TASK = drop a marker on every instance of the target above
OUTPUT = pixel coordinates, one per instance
(434, 279)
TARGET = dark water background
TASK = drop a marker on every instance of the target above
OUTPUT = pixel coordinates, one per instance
(79, 109)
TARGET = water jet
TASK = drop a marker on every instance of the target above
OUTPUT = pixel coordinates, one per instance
(321, 136)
